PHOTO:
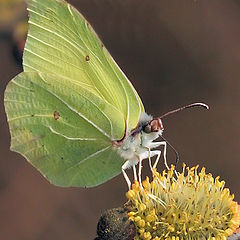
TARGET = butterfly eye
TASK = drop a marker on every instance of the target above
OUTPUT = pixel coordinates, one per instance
(147, 128)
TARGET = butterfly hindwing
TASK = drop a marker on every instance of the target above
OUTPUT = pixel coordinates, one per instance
(51, 127)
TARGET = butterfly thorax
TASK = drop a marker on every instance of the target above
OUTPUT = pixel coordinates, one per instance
(139, 140)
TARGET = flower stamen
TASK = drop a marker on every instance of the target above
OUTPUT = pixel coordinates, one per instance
(192, 206)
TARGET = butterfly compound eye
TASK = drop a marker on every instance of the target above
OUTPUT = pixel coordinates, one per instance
(156, 125)
(147, 128)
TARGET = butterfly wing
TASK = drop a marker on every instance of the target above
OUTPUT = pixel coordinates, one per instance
(64, 130)
(71, 101)
(62, 42)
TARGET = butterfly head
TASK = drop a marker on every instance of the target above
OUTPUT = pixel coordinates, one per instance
(155, 125)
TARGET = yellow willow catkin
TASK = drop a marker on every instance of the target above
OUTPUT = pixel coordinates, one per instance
(193, 205)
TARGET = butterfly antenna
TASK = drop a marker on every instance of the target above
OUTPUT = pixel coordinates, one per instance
(184, 107)
(171, 146)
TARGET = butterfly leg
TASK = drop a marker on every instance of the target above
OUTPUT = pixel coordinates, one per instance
(149, 159)
(134, 172)
(157, 159)
(147, 154)
(124, 167)
(130, 163)
(164, 144)
(140, 172)
(165, 153)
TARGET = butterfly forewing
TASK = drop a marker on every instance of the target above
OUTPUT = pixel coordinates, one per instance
(61, 41)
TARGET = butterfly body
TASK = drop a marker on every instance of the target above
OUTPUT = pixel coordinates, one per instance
(138, 141)
(139, 144)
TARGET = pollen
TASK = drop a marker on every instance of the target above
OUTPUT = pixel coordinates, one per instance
(186, 205)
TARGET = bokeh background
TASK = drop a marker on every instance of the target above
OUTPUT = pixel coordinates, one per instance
(175, 53)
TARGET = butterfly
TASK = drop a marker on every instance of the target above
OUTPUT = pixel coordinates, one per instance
(72, 112)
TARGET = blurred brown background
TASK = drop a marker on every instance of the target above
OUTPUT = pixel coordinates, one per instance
(174, 53)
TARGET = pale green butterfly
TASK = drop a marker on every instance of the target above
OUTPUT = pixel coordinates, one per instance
(72, 113)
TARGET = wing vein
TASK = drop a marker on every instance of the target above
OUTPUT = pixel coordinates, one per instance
(37, 55)
(16, 101)
(98, 68)
(90, 156)
(61, 24)
(26, 65)
(19, 85)
(125, 93)
(78, 35)
(70, 138)
(78, 113)
(18, 117)
(57, 49)
(88, 99)
(73, 44)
